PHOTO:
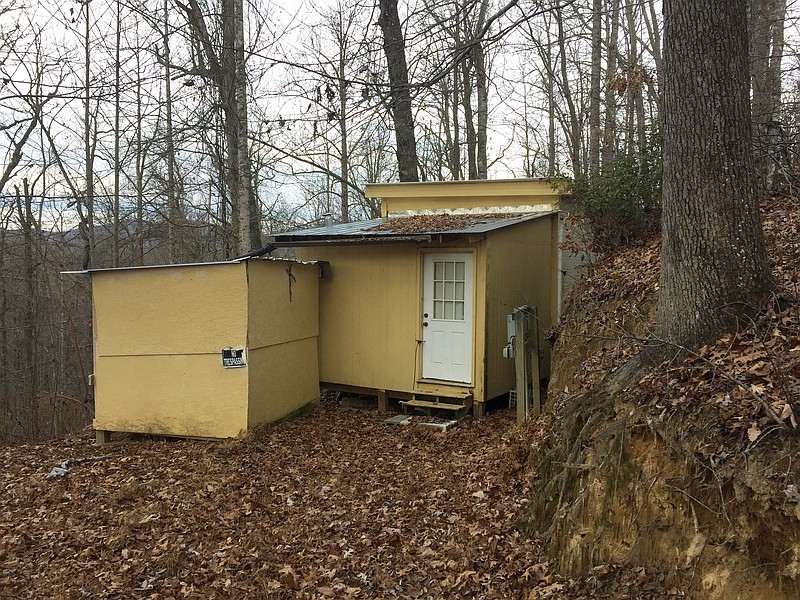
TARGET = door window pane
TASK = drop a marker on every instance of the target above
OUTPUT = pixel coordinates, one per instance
(448, 311)
(449, 281)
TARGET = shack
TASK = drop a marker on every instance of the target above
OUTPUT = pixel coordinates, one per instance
(416, 304)
(204, 350)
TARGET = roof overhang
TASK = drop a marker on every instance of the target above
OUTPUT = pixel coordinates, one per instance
(375, 231)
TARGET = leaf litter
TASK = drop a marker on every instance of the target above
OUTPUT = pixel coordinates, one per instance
(333, 504)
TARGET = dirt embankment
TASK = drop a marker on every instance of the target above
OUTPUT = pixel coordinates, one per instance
(693, 469)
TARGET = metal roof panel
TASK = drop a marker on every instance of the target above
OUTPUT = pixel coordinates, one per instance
(364, 231)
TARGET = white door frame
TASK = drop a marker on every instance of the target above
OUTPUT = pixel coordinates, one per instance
(448, 280)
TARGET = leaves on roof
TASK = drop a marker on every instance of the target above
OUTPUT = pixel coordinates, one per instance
(439, 222)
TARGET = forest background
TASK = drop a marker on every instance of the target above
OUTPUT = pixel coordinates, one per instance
(146, 133)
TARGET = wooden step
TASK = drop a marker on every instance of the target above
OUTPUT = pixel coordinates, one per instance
(428, 404)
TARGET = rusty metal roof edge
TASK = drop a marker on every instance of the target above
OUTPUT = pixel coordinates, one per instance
(197, 264)
(343, 241)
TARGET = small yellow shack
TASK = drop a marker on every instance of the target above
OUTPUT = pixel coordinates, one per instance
(204, 350)
(417, 301)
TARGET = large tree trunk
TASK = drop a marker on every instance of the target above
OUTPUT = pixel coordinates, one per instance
(713, 263)
(141, 163)
(174, 218)
(469, 118)
(27, 409)
(226, 68)
(394, 46)
(344, 149)
(249, 213)
(550, 92)
(117, 165)
(88, 148)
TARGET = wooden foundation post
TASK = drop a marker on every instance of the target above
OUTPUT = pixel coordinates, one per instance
(383, 401)
(102, 437)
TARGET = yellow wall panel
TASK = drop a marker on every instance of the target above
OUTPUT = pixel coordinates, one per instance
(159, 334)
(283, 301)
(369, 315)
(283, 379)
(170, 395)
(174, 310)
(465, 194)
(520, 271)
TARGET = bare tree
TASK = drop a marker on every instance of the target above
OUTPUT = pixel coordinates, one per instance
(394, 46)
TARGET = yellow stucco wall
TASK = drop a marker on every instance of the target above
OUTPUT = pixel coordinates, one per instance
(283, 330)
(283, 379)
(185, 395)
(370, 316)
(170, 310)
(521, 269)
(465, 194)
(158, 337)
(278, 314)
(159, 334)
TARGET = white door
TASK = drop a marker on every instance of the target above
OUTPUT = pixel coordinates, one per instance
(447, 317)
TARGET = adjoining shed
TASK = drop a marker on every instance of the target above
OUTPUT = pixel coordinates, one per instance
(204, 350)
(417, 302)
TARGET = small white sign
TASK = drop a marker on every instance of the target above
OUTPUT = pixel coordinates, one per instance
(233, 358)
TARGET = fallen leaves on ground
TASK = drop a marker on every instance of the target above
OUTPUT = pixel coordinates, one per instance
(333, 504)
(750, 378)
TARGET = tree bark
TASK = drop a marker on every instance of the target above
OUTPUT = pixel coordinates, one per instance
(594, 89)
(141, 157)
(117, 166)
(88, 147)
(394, 47)
(344, 149)
(469, 118)
(226, 68)
(574, 130)
(479, 60)
(610, 125)
(249, 218)
(174, 219)
(767, 19)
(713, 263)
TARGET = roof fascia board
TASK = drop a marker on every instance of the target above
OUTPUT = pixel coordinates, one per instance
(489, 188)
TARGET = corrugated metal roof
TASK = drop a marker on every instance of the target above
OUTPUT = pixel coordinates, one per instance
(364, 231)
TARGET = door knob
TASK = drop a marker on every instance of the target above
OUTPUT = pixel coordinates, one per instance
(424, 323)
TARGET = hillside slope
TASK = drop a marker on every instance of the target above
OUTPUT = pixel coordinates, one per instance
(694, 469)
